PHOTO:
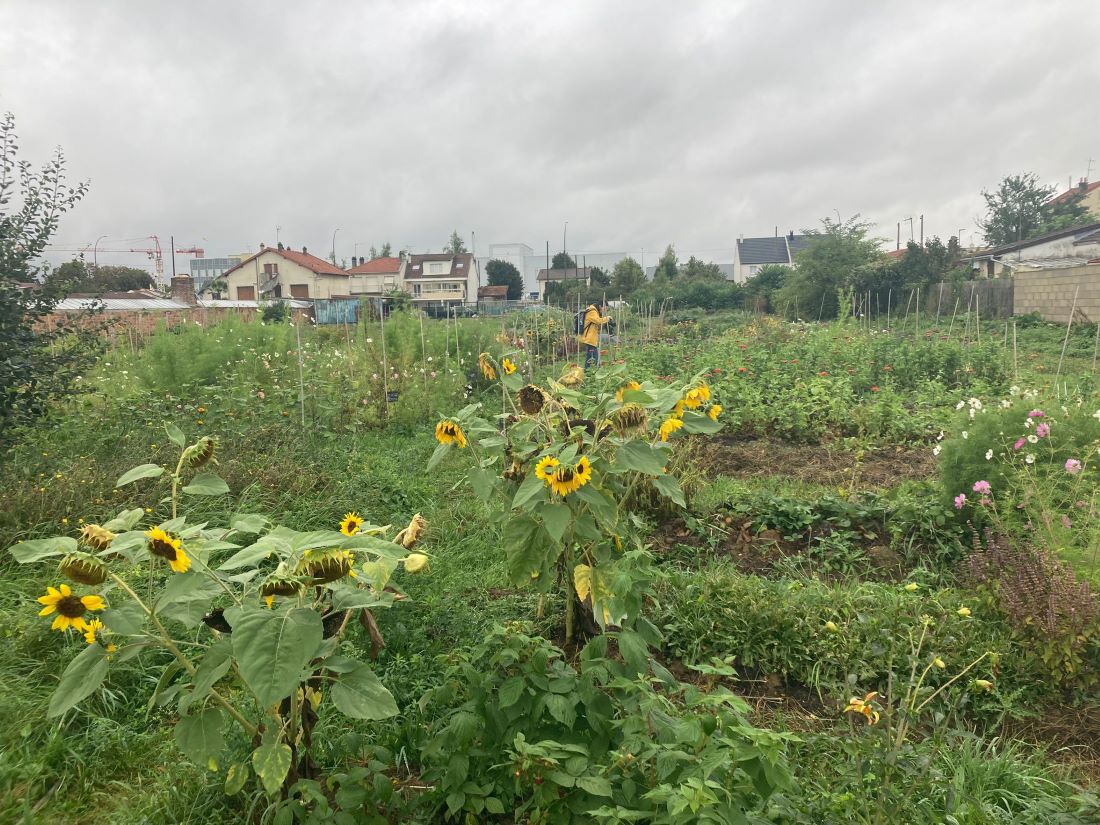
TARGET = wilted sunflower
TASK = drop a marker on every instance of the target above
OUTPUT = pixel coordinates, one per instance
(573, 376)
(628, 386)
(515, 473)
(567, 478)
(696, 396)
(628, 418)
(83, 568)
(96, 537)
(350, 524)
(415, 562)
(669, 426)
(410, 536)
(507, 365)
(326, 566)
(532, 399)
(168, 548)
(448, 432)
(487, 368)
(199, 453)
(714, 411)
(69, 607)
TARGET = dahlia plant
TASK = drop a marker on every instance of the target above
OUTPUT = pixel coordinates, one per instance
(569, 466)
(253, 615)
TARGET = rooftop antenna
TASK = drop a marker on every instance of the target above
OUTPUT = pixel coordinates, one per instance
(910, 219)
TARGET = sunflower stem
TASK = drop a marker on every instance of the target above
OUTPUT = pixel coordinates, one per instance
(176, 481)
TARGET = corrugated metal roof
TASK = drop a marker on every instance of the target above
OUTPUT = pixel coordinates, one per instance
(217, 303)
(119, 304)
(1044, 263)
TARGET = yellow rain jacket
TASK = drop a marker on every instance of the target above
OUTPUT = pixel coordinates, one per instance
(592, 323)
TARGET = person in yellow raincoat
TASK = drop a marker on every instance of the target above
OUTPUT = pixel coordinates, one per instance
(594, 319)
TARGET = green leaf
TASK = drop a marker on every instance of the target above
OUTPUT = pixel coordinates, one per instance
(438, 455)
(186, 587)
(556, 517)
(138, 473)
(271, 763)
(697, 423)
(483, 483)
(528, 548)
(348, 597)
(133, 545)
(273, 648)
(207, 484)
(640, 457)
(259, 551)
(175, 434)
(214, 665)
(125, 521)
(601, 507)
(235, 777)
(511, 691)
(249, 523)
(494, 805)
(533, 488)
(80, 679)
(37, 549)
(513, 382)
(124, 618)
(199, 736)
(360, 694)
(634, 650)
(595, 785)
(669, 487)
(562, 708)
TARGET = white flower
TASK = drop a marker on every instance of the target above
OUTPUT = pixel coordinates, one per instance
(960, 405)
(988, 455)
(370, 340)
(1033, 439)
(940, 436)
(965, 434)
(1005, 404)
(1029, 458)
(971, 411)
(975, 403)
(936, 449)
(1013, 390)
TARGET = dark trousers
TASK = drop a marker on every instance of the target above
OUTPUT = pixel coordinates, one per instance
(591, 355)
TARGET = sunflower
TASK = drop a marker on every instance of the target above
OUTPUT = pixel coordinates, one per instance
(200, 453)
(695, 397)
(409, 537)
(448, 432)
(714, 411)
(573, 376)
(567, 478)
(531, 399)
(545, 468)
(83, 568)
(507, 365)
(69, 607)
(487, 368)
(415, 562)
(95, 632)
(627, 387)
(669, 426)
(864, 706)
(678, 410)
(628, 418)
(170, 549)
(350, 524)
(96, 537)
(277, 585)
(326, 566)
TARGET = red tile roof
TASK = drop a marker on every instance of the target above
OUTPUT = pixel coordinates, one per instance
(377, 267)
(316, 265)
(1076, 190)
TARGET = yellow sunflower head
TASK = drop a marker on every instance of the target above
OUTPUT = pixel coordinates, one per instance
(350, 524)
(696, 396)
(545, 468)
(96, 537)
(573, 376)
(669, 426)
(628, 386)
(567, 478)
(714, 411)
(448, 432)
(531, 399)
(487, 368)
(169, 548)
(83, 568)
(507, 365)
(69, 607)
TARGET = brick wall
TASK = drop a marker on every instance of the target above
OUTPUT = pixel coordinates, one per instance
(1050, 293)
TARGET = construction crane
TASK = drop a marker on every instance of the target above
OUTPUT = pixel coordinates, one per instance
(154, 252)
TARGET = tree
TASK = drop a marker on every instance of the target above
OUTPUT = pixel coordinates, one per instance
(599, 277)
(838, 258)
(695, 268)
(667, 266)
(455, 245)
(79, 277)
(563, 261)
(1021, 208)
(627, 277)
(33, 371)
(387, 250)
(760, 289)
(502, 273)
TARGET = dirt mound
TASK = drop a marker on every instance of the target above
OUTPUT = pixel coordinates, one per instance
(817, 463)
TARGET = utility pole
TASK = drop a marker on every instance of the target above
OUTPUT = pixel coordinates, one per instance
(910, 219)
(564, 231)
(899, 236)
(922, 231)
(172, 246)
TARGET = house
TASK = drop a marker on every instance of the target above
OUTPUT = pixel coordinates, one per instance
(375, 277)
(278, 272)
(441, 280)
(488, 294)
(1089, 194)
(1054, 250)
(204, 271)
(753, 253)
(554, 276)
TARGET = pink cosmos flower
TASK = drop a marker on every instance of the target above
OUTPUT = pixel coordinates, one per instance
(1019, 444)
(1043, 430)
(960, 501)
(1073, 466)
(982, 487)
(1036, 414)
(1066, 522)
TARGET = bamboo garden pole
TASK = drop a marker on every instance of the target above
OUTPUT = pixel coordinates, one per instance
(1065, 343)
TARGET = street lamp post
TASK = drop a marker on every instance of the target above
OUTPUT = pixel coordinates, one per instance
(333, 255)
(95, 250)
(564, 231)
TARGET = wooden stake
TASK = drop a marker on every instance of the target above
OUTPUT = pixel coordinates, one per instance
(1065, 343)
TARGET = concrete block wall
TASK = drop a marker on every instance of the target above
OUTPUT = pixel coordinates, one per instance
(1050, 292)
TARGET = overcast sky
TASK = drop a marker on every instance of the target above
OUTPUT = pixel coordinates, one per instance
(639, 123)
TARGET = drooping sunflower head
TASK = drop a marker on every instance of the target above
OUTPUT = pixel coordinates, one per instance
(96, 537)
(411, 535)
(277, 585)
(714, 411)
(350, 523)
(200, 453)
(696, 396)
(515, 473)
(507, 365)
(169, 548)
(83, 568)
(573, 376)
(487, 368)
(627, 387)
(669, 426)
(568, 478)
(544, 470)
(448, 432)
(326, 565)
(69, 607)
(532, 399)
(415, 562)
(628, 418)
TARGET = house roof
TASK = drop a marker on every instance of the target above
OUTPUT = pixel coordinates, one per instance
(377, 266)
(72, 304)
(460, 267)
(1080, 231)
(1076, 190)
(576, 274)
(1088, 237)
(763, 250)
(318, 266)
(500, 292)
(1046, 263)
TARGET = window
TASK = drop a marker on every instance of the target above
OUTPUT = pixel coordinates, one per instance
(436, 269)
(246, 293)
(753, 269)
(459, 264)
(271, 270)
(416, 289)
(299, 290)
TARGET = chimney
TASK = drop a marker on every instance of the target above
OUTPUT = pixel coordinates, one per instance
(305, 251)
(263, 245)
(790, 235)
(280, 246)
(183, 290)
(1083, 185)
(362, 260)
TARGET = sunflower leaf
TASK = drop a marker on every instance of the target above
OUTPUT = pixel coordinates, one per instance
(271, 763)
(360, 694)
(438, 455)
(235, 777)
(27, 551)
(138, 473)
(640, 457)
(556, 518)
(207, 484)
(670, 488)
(175, 434)
(199, 736)
(80, 679)
(125, 618)
(214, 665)
(697, 423)
(532, 489)
(528, 548)
(273, 648)
(125, 520)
